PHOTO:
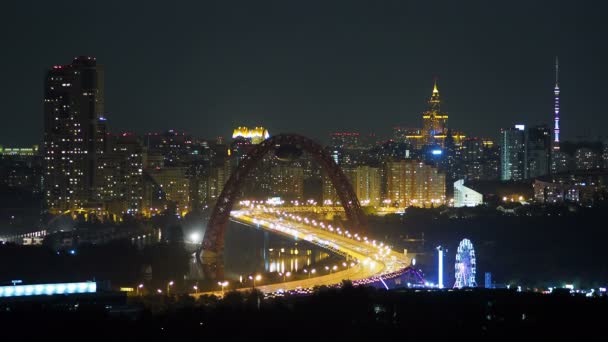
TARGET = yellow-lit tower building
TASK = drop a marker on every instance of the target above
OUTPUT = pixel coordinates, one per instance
(434, 121)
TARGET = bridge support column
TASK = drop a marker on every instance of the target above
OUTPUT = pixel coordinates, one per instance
(213, 264)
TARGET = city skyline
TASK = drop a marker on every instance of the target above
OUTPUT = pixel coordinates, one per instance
(344, 69)
(347, 167)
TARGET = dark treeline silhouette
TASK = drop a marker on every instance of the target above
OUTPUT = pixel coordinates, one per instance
(118, 261)
(347, 312)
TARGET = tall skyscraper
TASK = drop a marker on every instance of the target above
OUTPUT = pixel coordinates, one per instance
(434, 130)
(472, 158)
(74, 132)
(513, 161)
(556, 108)
(539, 151)
(434, 122)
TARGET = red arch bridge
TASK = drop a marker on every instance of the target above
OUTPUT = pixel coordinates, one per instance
(367, 259)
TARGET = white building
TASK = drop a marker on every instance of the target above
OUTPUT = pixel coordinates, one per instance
(466, 197)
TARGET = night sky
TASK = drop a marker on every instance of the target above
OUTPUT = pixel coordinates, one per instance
(311, 66)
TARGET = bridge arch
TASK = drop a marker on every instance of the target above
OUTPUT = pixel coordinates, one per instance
(213, 241)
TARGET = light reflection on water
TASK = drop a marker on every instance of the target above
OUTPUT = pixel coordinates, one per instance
(249, 250)
(292, 259)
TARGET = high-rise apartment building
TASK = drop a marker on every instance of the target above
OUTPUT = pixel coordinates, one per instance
(513, 161)
(365, 181)
(414, 183)
(175, 185)
(472, 158)
(74, 132)
(539, 151)
(287, 181)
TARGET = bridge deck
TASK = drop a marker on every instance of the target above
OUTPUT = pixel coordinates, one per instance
(371, 259)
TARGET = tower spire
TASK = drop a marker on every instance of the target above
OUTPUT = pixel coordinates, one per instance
(435, 102)
(556, 71)
(556, 107)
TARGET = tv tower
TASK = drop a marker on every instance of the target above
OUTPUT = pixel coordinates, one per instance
(556, 108)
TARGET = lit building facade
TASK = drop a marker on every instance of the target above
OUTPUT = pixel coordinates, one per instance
(255, 135)
(366, 184)
(587, 159)
(175, 147)
(472, 158)
(119, 176)
(287, 182)
(21, 167)
(513, 161)
(465, 196)
(401, 134)
(414, 183)
(344, 140)
(175, 184)
(329, 194)
(74, 132)
(365, 180)
(19, 151)
(560, 162)
(582, 187)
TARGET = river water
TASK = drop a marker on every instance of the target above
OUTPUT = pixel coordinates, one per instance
(251, 250)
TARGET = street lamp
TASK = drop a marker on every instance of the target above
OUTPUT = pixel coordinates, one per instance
(254, 278)
(159, 291)
(169, 287)
(195, 289)
(285, 275)
(140, 286)
(222, 284)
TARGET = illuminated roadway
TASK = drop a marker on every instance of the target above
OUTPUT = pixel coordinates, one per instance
(369, 258)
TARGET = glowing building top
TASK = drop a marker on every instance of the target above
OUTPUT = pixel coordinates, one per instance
(256, 135)
(435, 102)
(434, 122)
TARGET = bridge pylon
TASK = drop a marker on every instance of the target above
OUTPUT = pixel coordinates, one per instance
(213, 264)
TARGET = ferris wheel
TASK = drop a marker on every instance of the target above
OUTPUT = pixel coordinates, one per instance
(465, 265)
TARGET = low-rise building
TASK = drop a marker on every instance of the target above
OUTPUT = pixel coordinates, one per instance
(465, 196)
